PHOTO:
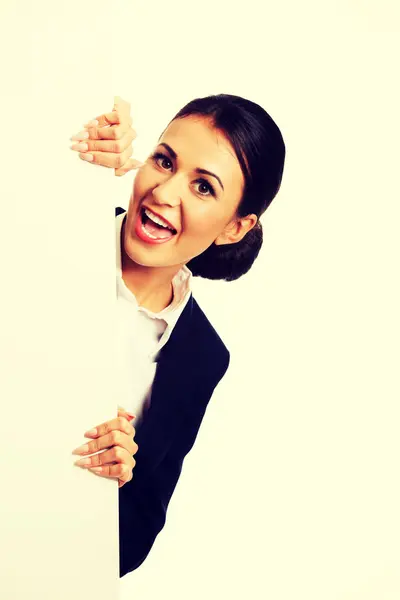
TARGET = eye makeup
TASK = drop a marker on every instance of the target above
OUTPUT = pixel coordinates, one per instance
(160, 156)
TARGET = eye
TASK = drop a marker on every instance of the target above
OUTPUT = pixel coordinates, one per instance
(162, 160)
(205, 188)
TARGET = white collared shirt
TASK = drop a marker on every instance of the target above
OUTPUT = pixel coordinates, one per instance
(141, 334)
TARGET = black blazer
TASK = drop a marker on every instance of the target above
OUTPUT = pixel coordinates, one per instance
(190, 366)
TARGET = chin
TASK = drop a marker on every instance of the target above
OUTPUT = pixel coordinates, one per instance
(140, 257)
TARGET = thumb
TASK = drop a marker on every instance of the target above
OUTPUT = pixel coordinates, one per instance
(123, 413)
(130, 164)
(121, 105)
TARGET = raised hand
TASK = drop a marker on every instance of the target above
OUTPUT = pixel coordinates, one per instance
(107, 140)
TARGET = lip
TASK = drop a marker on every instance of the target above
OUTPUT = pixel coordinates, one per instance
(142, 235)
(158, 215)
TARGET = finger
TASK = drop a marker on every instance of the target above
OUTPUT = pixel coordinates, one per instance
(110, 132)
(118, 424)
(111, 118)
(126, 415)
(113, 132)
(107, 119)
(119, 114)
(131, 164)
(116, 146)
(108, 159)
(110, 456)
(116, 438)
(82, 135)
(121, 471)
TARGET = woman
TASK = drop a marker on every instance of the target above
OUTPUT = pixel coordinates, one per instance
(194, 211)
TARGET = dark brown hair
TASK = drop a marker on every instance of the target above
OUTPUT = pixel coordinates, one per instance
(260, 149)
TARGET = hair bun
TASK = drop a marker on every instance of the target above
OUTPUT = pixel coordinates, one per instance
(228, 261)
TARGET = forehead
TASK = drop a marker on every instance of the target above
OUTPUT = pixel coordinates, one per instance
(198, 144)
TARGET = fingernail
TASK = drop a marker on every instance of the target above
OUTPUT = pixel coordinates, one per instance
(80, 147)
(91, 432)
(88, 157)
(82, 135)
(83, 461)
(93, 123)
(131, 416)
(81, 449)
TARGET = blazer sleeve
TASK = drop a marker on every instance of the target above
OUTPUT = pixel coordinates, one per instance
(144, 501)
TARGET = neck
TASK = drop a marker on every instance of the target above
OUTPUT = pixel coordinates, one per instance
(151, 286)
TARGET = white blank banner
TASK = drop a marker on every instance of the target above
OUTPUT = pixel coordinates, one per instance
(59, 523)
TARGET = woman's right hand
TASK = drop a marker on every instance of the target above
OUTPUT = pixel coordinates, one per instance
(116, 440)
(109, 141)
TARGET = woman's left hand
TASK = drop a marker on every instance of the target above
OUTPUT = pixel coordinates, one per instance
(107, 140)
(117, 438)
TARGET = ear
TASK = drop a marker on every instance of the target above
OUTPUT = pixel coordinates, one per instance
(236, 230)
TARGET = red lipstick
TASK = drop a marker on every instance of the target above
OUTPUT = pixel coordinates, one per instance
(143, 235)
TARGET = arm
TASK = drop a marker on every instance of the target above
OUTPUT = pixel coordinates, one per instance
(143, 502)
(143, 505)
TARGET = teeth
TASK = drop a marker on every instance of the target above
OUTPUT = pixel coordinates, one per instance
(148, 233)
(157, 220)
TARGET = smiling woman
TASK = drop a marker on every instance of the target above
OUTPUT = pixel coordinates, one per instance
(194, 211)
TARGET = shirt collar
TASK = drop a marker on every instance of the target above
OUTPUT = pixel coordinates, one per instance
(181, 284)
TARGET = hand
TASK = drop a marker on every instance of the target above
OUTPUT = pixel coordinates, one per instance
(107, 140)
(117, 461)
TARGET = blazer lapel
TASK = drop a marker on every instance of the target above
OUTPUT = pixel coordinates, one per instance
(170, 389)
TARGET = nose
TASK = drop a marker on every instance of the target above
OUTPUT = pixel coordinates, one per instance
(169, 191)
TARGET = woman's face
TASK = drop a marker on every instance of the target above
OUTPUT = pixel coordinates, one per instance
(193, 183)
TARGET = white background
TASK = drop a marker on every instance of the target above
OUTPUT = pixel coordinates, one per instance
(291, 490)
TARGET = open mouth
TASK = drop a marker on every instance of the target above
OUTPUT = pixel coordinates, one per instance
(153, 229)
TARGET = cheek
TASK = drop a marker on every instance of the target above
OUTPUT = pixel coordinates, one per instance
(203, 221)
(138, 186)
(144, 181)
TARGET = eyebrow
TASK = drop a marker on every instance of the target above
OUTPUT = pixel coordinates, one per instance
(198, 170)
